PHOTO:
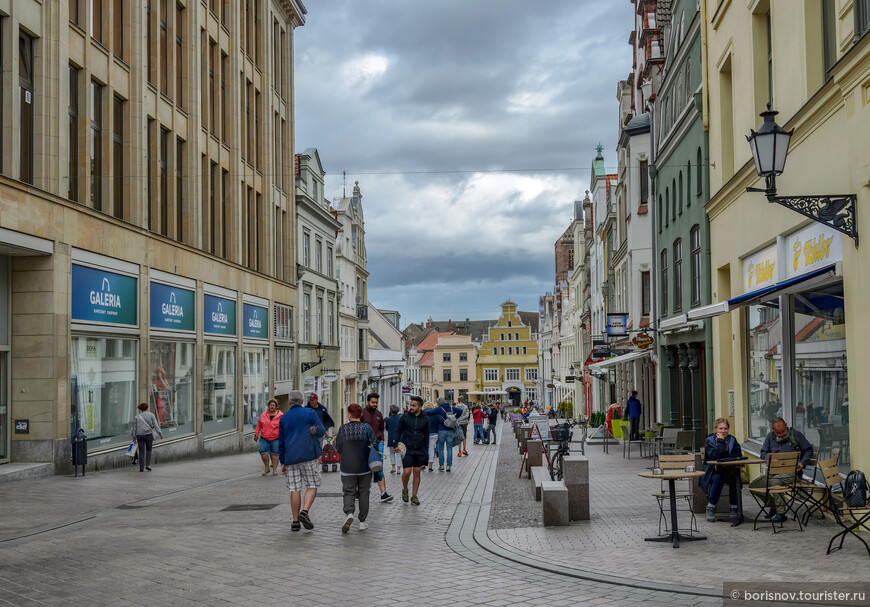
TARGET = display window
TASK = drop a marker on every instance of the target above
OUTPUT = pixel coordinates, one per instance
(103, 387)
(171, 386)
(219, 388)
(255, 382)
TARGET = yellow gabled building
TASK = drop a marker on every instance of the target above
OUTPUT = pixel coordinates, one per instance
(508, 358)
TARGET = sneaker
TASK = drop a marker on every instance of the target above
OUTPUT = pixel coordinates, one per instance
(459, 454)
(448, 468)
(770, 513)
(348, 521)
(386, 497)
(305, 520)
(405, 495)
(778, 518)
(440, 468)
(711, 514)
(393, 471)
(295, 526)
(363, 525)
(415, 500)
(464, 452)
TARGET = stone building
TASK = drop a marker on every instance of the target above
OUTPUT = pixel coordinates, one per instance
(146, 221)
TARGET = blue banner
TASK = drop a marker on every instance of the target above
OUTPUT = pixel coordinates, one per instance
(256, 322)
(219, 315)
(100, 296)
(172, 308)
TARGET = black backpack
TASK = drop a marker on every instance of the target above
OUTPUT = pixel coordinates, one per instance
(855, 489)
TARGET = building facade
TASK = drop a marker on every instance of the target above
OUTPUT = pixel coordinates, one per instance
(508, 359)
(455, 367)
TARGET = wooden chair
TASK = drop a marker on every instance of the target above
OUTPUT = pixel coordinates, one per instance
(784, 464)
(860, 516)
(684, 491)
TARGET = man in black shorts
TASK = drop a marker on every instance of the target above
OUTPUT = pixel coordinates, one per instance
(413, 431)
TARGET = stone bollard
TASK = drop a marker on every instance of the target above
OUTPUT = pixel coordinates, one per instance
(535, 453)
(554, 502)
(525, 433)
(575, 473)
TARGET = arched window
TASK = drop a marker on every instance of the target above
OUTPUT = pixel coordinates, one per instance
(674, 201)
(689, 184)
(680, 192)
(510, 350)
(700, 178)
(667, 206)
(502, 351)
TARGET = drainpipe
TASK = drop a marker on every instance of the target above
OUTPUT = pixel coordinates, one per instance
(705, 93)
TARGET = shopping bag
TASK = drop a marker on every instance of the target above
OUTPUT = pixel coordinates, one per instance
(133, 449)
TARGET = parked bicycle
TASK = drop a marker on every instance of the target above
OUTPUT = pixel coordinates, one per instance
(562, 434)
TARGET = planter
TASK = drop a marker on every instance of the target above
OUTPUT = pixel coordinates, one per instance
(618, 425)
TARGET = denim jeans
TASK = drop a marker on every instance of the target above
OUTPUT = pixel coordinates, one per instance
(445, 445)
(478, 432)
(718, 481)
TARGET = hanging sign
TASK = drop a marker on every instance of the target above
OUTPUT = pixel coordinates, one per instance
(617, 324)
(644, 341)
(256, 322)
(219, 315)
(172, 308)
(101, 296)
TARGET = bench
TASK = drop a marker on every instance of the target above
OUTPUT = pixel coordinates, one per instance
(554, 502)
(539, 475)
(575, 474)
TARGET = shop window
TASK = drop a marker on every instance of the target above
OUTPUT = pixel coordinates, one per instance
(764, 341)
(171, 386)
(103, 384)
(219, 388)
(255, 380)
(696, 265)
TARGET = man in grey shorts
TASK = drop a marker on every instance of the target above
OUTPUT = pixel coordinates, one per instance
(299, 449)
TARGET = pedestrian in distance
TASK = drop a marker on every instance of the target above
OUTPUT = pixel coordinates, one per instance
(446, 432)
(413, 433)
(299, 434)
(374, 418)
(323, 414)
(433, 434)
(390, 424)
(493, 421)
(463, 423)
(477, 415)
(266, 434)
(142, 431)
(353, 441)
(635, 410)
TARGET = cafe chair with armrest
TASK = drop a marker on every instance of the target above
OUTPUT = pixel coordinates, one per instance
(684, 492)
(857, 517)
(779, 480)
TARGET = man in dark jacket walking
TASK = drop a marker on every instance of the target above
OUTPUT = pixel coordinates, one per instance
(298, 449)
(413, 432)
(374, 418)
(322, 413)
(493, 420)
(635, 410)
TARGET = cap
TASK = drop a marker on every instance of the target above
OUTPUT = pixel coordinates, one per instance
(312, 396)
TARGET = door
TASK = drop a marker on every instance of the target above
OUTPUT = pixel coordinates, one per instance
(4, 407)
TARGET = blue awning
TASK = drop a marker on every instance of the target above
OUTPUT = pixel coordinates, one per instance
(780, 288)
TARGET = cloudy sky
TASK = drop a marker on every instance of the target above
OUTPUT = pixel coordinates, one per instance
(426, 103)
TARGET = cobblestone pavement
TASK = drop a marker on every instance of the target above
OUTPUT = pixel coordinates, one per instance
(623, 512)
(122, 537)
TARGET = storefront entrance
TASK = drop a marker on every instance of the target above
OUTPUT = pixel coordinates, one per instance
(4, 406)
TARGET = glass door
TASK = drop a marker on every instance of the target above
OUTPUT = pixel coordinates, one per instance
(4, 407)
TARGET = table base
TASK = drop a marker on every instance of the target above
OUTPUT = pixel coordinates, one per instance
(676, 538)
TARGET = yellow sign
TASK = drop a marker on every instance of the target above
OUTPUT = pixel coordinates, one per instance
(814, 247)
(760, 269)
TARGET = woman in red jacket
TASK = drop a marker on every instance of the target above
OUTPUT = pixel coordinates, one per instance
(266, 433)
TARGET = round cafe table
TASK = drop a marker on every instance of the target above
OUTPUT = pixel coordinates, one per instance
(672, 476)
(733, 464)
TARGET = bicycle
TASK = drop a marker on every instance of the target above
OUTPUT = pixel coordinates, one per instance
(562, 434)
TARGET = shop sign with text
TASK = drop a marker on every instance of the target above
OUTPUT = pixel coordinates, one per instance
(172, 308)
(219, 315)
(101, 296)
(256, 322)
(814, 247)
(759, 269)
(617, 324)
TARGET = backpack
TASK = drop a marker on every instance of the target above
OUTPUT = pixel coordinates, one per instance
(855, 489)
(450, 420)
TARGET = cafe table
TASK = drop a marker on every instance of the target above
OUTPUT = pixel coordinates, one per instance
(672, 476)
(750, 461)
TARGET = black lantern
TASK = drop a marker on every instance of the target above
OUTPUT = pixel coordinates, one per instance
(769, 145)
(319, 352)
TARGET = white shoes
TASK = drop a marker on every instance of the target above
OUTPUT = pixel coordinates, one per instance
(363, 526)
(347, 523)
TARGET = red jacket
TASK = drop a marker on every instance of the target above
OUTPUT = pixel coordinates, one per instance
(375, 419)
(478, 416)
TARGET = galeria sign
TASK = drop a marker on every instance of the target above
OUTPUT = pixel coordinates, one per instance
(172, 308)
(219, 315)
(101, 296)
(256, 322)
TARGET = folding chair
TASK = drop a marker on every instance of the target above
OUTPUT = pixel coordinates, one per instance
(684, 491)
(779, 479)
(809, 492)
(831, 476)
(684, 442)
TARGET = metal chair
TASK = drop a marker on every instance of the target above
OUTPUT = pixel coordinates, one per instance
(859, 516)
(684, 491)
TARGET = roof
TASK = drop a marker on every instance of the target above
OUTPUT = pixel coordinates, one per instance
(638, 124)
(427, 360)
(428, 343)
(809, 329)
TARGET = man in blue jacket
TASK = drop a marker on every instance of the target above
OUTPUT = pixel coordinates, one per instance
(445, 433)
(635, 410)
(299, 451)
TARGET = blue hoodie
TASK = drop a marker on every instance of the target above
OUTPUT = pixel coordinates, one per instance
(296, 444)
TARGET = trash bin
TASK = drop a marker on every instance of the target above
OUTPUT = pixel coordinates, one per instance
(79, 451)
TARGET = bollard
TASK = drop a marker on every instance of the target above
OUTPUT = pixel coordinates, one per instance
(575, 473)
(526, 432)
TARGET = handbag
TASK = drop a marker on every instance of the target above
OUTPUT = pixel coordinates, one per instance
(376, 462)
(458, 435)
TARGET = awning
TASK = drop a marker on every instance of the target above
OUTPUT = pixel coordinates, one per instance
(680, 323)
(618, 359)
(785, 287)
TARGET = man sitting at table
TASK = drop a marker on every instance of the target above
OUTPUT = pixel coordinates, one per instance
(782, 439)
(719, 446)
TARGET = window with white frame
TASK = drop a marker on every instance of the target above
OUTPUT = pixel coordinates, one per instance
(306, 318)
(531, 374)
(330, 331)
(512, 374)
(306, 249)
(531, 394)
(283, 322)
(319, 319)
(283, 364)
(517, 336)
(490, 375)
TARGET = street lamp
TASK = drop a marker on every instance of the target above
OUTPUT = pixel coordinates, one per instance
(319, 352)
(769, 145)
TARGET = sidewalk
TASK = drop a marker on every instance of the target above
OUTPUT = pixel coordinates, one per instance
(623, 513)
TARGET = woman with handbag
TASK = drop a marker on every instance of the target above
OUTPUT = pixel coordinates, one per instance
(144, 427)
(354, 442)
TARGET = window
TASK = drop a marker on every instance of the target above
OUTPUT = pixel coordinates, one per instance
(680, 192)
(447, 375)
(306, 249)
(861, 10)
(331, 320)
(674, 201)
(667, 206)
(664, 289)
(509, 336)
(306, 318)
(149, 43)
(163, 165)
(445, 357)
(73, 111)
(213, 204)
(660, 214)
(678, 278)
(118, 105)
(256, 388)
(283, 322)
(96, 146)
(329, 262)
(25, 125)
(696, 265)
(225, 135)
(517, 336)
(502, 351)
(645, 294)
(74, 11)
(512, 374)
(644, 181)
(283, 364)
(490, 375)
(700, 176)
(118, 28)
(524, 350)
(689, 184)
(211, 123)
(495, 351)
(501, 336)
(179, 190)
(319, 313)
(510, 350)
(463, 356)
(463, 375)
(769, 58)
(179, 57)
(97, 20)
(173, 363)
(531, 374)
(531, 394)
(509, 323)
(318, 254)
(164, 48)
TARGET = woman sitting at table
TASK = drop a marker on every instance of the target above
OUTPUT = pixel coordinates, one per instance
(720, 445)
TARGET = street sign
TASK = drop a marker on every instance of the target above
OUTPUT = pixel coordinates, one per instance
(600, 349)
(617, 324)
(329, 377)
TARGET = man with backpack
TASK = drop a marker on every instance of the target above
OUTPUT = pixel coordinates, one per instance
(447, 422)
(782, 439)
